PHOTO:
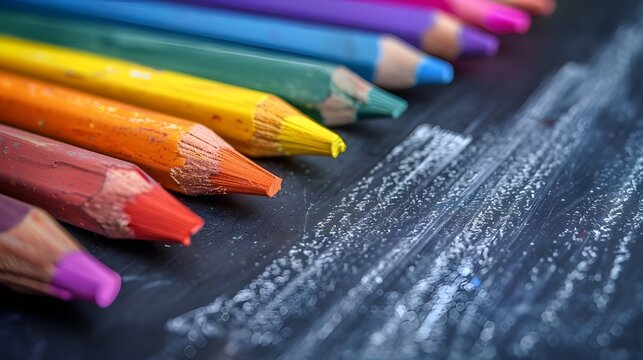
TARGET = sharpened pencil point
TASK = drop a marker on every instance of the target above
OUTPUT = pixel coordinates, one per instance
(476, 43)
(434, 71)
(300, 135)
(542, 8)
(80, 276)
(239, 175)
(157, 215)
(383, 103)
(505, 20)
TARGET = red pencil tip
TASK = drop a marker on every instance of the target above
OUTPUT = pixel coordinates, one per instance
(157, 215)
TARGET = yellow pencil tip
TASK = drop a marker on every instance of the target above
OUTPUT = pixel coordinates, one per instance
(301, 135)
(337, 147)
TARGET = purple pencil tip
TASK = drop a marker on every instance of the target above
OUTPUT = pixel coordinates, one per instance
(78, 275)
(477, 43)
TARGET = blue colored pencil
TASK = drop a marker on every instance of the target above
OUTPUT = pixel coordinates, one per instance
(383, 59)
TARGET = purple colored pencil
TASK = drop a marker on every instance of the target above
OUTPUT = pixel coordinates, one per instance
(38, 256)
(431, 30)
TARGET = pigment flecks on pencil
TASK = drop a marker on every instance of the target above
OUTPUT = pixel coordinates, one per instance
(328, 92)
(38, 256)
(430, 30)
(370, 55)
(229, 110)
(101, 194)
(180, 154)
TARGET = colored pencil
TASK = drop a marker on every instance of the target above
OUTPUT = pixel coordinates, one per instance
(536, 7)
(431, 30)
(382, 59)
(495, 17)
(38, 256)
(181, 155)
(330, 93)
(98, 193)
(255, 123)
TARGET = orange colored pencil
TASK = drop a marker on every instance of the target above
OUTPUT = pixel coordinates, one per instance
(181, 155)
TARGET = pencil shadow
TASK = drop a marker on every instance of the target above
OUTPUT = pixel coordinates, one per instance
(44, 307)
(280, 166)
(98, 243)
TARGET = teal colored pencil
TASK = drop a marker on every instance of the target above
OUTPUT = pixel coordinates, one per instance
(331, 93)
(383, 59)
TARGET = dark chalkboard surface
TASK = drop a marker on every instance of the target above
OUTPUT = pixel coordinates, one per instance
(500, 217)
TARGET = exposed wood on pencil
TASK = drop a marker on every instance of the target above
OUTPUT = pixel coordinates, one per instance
(101, 194)
(361, 51)
(227, 109)
(181, 155)
(350, 97)
(328, 92)
(38, 256)
(431, 30)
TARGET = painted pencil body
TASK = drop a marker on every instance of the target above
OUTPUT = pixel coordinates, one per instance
(536, 7)
(488, 14)
(385, 60)
(254, 122)
(38, 256)
(330, 93)
(181, 155)
(431, 30)
(98, 193)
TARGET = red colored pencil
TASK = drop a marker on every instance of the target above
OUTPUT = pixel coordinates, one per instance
(110, 197)
(38, 256)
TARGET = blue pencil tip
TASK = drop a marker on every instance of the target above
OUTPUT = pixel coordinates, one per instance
(434, 71)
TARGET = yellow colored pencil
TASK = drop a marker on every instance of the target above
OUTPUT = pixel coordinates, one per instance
(256, 123)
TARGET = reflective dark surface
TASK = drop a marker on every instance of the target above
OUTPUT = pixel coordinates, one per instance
(500, 217)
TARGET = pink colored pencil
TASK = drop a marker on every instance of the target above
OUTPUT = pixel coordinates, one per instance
(493, 16)
(38, 256)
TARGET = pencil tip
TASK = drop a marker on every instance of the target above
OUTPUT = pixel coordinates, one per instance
(433, 70)
(301, 135)
(78, 275)
(536, 7)
(545, 7)
(507, 20)
(240, 175)
(157, 215)
(477, 43)
(383, 103)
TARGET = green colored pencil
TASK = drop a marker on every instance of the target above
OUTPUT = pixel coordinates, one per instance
(330, 93)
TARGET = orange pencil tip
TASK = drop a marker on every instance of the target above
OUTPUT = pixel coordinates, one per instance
(240, 175)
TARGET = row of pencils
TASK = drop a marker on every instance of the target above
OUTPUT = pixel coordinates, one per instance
(105, 105)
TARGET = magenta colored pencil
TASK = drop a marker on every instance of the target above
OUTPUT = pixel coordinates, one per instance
(495, 17)
(38, 256)
(431, 30)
